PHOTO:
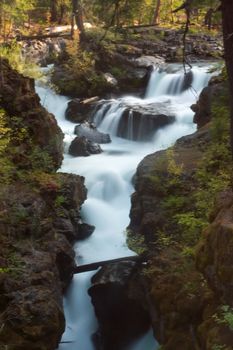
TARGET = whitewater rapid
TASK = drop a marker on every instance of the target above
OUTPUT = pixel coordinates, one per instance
(108, 179)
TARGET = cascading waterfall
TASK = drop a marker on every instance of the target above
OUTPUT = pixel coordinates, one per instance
(108, 179)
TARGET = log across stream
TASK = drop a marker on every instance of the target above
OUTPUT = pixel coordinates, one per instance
(108, 177)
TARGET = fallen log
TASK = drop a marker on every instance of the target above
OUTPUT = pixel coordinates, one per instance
(96, 265)
(43, 36)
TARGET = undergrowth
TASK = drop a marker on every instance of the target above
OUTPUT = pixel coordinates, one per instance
(12, 52)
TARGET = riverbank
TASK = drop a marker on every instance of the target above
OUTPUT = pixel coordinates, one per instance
(178, 216)
(39, 218)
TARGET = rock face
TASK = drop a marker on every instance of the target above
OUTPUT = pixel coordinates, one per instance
(146, 211)
(38, 260)
(116, 296)
(214, 256)
(82, 147)
(39, 220)
(206, 100)
(19, 99)
(90, 132)
(176, 308)
(190, 294)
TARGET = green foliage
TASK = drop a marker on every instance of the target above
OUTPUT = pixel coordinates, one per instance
(219, 347)
(135, 242)
(190, 226)
(80, 76)
(163, 239)
(59, 201)
(15, 264)
(40, 159)
(12, 52)
(225, 316)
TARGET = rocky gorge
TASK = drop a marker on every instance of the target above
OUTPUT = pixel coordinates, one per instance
(184, 294)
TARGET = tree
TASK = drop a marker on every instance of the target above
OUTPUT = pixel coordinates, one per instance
(156, 13)
(77, 16)
(13, 12)
(227, 24)
(54, 10)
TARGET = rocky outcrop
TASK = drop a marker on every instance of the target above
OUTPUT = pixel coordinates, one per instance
(80, 110)
(39, 219)
(177, 290)
(208, 96)
(82, 147)
(89, 131)
(18, 98)
(146, 213)
(214, 256)
(190, 293)
(117, 296)
(43, 52)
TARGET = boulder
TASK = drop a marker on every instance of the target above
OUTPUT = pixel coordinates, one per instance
(203, 107)
(85, 230)
(89, 131)
(79, 110)
(115, 294)
(140, 122)
(147, 61)
(82, 147)
(110, 79)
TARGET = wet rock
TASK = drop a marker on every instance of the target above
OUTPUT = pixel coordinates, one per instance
(85, 231)
(90, 132)
(116, 296)
(79, 110)
(140, 122)
(202, 108)
(82, 147)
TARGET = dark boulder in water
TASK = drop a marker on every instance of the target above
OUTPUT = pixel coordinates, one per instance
(187, 81)
(79, 110)
(89, 131)
(116, 296)
(82, 147)
(140, 122)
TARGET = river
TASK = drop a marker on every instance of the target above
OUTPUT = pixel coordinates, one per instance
(108, 179)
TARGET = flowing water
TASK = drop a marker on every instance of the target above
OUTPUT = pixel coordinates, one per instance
(108, 179)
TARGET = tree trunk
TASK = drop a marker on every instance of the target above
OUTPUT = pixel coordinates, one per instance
(78, 15)
(172, 15)
(62, 13)
(208, 18)
(157, 13)
(53, 10)
(227, 23)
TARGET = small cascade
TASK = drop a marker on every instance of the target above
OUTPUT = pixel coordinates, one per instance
(108, 177)
(138, 120)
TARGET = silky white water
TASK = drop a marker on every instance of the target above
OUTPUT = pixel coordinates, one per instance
(108, 179)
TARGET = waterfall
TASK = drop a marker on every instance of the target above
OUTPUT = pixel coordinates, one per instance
(108, 179)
